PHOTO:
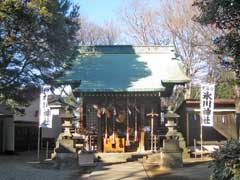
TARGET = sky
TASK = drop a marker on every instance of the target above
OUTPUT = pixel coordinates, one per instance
(99, 10)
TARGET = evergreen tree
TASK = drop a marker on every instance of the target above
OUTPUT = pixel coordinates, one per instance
(37, 43)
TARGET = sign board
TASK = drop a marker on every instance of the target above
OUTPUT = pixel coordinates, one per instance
(45, 118)
(207, 104)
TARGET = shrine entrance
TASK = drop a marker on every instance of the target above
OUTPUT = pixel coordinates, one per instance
(118, 122)
(119, 86)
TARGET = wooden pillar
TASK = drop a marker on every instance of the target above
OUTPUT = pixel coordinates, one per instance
(152, 115)
(152, 118)
(80, 120)
(100, 139)
(141, 147)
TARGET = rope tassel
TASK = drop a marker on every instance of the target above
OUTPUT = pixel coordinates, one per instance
(106, 131)
(106, 137)
(127, 138)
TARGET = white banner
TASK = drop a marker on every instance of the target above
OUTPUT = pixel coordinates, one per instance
(45, 117)
(207, 104)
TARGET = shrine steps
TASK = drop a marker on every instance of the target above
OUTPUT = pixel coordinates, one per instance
(121, 157)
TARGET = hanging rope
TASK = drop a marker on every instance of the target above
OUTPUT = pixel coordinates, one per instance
(136, 124)
(106, 131)
(127, 133)
(114, 116)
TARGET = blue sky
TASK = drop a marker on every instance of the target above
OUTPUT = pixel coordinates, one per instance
(99, 10)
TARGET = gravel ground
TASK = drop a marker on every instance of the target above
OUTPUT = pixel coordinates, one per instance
(24, 166)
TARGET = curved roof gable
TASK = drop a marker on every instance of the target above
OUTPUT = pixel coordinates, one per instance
(126, 68)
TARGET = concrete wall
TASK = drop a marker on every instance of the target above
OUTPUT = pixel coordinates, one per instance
(30, 113)
(55, 130)
(30, 116)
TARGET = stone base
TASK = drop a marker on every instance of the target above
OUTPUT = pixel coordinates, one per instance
(171, 159)
(66, 155)
(120, 157)
(86, 159)
(66, 146)
(153, 158)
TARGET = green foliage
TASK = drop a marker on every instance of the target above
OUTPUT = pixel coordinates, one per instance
(226, 163)
(195, 92)
(225, 85)
(37, 44)
(225, 90)
(225, 15)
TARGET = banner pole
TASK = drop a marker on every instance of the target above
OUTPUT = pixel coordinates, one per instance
(47, 150)
(201, 137)
(38, 148)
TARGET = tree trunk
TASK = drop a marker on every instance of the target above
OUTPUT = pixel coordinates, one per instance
(188, 90)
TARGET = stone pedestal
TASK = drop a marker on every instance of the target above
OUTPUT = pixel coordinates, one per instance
(174, 134)
(171, 154)
(182, 145)
(85, 159)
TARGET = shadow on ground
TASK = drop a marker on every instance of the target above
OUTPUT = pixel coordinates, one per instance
(190, 171)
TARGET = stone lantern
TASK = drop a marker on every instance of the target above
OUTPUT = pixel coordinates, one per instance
(171, 124)
(67, 124)
(171, 153)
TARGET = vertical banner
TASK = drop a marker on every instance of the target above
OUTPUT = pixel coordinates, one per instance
(207, 104)
(45, 118)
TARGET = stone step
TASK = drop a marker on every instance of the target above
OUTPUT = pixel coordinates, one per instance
(153, 158)
(136, 157)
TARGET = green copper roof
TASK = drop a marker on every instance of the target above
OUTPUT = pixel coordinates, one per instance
(125, 68)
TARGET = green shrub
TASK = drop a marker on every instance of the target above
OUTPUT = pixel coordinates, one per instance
(226, 163)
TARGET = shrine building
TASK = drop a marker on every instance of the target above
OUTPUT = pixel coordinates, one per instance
(119, 86)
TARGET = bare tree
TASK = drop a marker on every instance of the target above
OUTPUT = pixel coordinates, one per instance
(142, 24)
(93, 34)
(193, 43)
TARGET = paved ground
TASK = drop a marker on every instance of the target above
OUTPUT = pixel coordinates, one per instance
(195, 169)
(26, 167)
(127, 171)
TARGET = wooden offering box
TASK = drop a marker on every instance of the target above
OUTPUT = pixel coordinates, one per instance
(117, 147)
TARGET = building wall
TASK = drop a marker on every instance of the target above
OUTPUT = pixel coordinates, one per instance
(26, 127)
(30, 114)
(26, 136)
(55, 130)
(209, 133)
(8, 134)
(224, 122)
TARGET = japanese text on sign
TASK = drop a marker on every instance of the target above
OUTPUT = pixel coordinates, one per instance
(207, 104)
(45, 118)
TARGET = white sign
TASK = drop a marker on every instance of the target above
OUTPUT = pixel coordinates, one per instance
(207, 104)
(45, 118)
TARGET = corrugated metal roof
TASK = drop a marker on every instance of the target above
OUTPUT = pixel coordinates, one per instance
(126, 68)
